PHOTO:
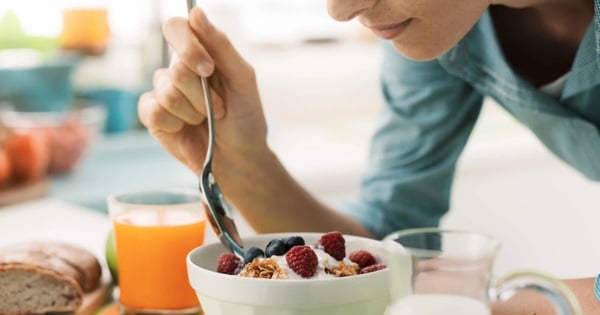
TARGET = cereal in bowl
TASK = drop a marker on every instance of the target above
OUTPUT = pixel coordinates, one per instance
(291, 258)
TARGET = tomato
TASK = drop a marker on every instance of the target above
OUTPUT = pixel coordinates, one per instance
(29, 155)
(5, 168)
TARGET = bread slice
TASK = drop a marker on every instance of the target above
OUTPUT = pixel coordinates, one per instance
(43, 277)
(31, 289)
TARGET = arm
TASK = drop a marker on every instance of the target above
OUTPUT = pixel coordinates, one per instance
(530, 303)
(427, 119)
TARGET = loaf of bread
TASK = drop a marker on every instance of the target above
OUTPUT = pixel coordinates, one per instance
(42, 277)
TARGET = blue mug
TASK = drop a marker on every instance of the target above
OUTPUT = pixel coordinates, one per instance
(121, 107)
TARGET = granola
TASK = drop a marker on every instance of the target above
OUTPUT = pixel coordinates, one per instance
(265, 268)
(342, 269)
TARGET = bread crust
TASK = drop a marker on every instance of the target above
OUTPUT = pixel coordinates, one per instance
(45, 276)
(81, 260)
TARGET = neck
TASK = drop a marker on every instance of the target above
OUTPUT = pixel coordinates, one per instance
(557, 18)
(546, 5)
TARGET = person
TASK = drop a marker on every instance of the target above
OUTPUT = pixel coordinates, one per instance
(539, 59)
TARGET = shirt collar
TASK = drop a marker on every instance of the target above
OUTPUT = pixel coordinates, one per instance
(597, 22)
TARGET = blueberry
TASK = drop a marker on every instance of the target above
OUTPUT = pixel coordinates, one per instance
(253, 252)
(275, 247)
(293, 241)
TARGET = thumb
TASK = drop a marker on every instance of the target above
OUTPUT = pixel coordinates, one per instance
(231, 65)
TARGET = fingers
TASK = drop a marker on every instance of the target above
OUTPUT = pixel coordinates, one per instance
(201, 46)
(188, 82)
(228, 60)
(173, 100)
(187, 46)
(155, 117)
(190, 60)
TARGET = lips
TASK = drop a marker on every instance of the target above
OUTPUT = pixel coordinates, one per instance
(390, 31)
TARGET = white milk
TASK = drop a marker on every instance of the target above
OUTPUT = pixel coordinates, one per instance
(437, 304)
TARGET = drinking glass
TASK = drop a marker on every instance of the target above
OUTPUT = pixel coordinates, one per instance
(154, 231)
(439, 272)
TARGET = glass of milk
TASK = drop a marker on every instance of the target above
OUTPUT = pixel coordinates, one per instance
(440, 272)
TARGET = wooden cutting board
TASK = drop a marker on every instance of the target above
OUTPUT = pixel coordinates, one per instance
(94, 300)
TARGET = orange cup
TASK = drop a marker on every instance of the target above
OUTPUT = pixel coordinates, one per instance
(85, 29)
(154, 231)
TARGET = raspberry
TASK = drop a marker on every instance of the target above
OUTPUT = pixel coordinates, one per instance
(333, 243)
(228, 264)
(372, 268)
(302, 260)
(363, 258)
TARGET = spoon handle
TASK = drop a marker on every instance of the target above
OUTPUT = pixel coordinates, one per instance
(190, 5)
(209, 108)
(211, 125)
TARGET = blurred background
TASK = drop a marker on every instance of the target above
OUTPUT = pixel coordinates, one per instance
(71, 72)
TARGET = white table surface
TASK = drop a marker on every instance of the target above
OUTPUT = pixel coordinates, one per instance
(51, 219)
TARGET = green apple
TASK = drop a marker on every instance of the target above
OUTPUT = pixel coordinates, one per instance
(110, 255)
(108, 309)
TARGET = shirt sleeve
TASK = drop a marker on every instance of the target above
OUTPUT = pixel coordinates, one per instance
(423, 128)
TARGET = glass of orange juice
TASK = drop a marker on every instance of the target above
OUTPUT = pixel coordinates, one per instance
(154, 231)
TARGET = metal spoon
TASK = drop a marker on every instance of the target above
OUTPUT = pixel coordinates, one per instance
(216, 207)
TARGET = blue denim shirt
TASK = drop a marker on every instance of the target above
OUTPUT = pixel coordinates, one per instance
(431, 108)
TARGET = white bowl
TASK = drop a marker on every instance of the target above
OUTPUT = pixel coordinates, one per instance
(221, 294)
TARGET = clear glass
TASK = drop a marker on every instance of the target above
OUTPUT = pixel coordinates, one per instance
(154, 231)
(439, 272)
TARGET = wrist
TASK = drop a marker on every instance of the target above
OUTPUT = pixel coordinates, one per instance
(237, 171)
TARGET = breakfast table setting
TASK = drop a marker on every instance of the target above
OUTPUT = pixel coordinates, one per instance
(51, 219)
(75, 210)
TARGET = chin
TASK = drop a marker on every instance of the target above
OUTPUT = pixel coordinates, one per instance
(418, 52)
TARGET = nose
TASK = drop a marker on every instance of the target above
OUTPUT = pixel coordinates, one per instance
(346, 10)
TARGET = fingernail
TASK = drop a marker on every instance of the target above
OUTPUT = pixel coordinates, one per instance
(205, 69)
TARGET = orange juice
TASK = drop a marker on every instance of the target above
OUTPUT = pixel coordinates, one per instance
(152, 246)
